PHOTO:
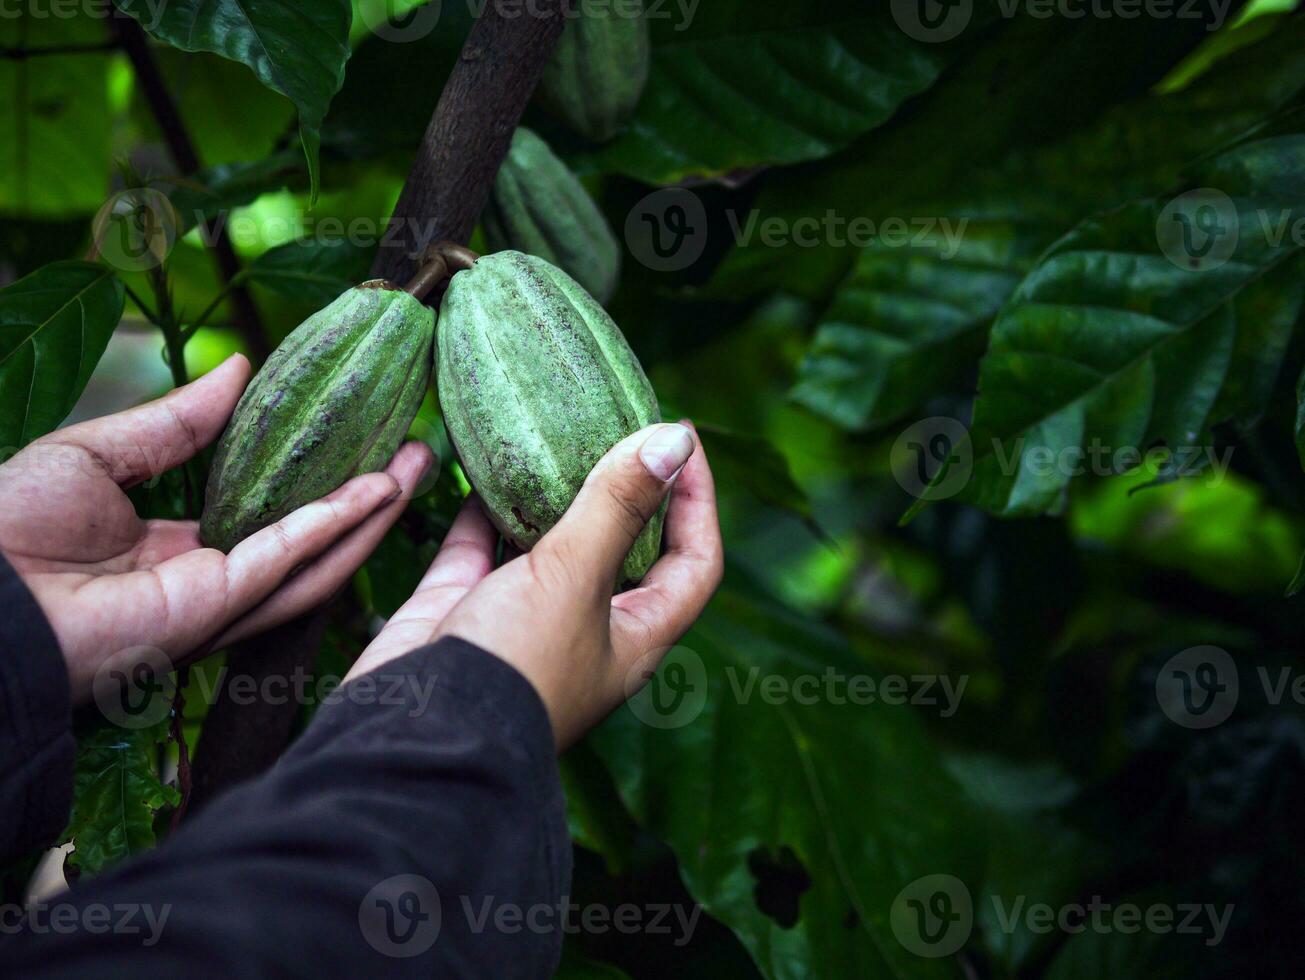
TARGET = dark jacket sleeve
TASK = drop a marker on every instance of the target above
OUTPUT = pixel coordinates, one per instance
(416, 829)
(36, 743)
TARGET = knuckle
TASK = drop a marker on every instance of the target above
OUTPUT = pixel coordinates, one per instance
(629, 507)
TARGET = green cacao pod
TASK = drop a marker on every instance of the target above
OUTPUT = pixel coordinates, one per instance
(539, 207)
(333, 401)
(536, 383)
(598, 72)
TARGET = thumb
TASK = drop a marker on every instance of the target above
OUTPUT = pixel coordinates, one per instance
(620, 495)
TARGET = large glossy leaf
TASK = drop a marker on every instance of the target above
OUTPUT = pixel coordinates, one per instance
(1080, 137)
(314, 271)
(116, 791)
(54, 325)
(1123, 336)
(54, 116)
(295, 47)
(767, 97)
(909, 320)
(796, 821)
(911, 316)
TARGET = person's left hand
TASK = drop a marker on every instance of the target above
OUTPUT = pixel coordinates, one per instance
(110, 582)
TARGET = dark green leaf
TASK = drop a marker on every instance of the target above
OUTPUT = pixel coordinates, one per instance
(1122, 335)
(1057, 130)
(54, 325)
(767, 97)
(315, 271)
(577, 967)
(294, 48)
(221, 188)
(910, 318)
(795, 821)
(116, 792)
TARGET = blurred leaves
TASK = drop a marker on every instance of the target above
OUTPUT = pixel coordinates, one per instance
(296, 49)
(55, 117)
(54, 325)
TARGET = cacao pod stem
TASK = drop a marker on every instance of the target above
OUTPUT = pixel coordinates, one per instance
(438, 263)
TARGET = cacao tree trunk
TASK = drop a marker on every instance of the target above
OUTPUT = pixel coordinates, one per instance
(460, 153)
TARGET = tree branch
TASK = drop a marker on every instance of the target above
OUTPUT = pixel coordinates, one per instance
(469, 132)
(464, 145)
(243, 735)
(131, 37)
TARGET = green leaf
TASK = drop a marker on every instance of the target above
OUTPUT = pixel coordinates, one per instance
(295, 48)
(208, 194)
(1122, 334)
(762, 96)
(54, 325)
(848, 799)
(574, 966)
(1058, 132)
(910, 318)
(116, 792)
(315, 271)
(1298, 580)
(55, 117)
(752, 463)
(909, 321)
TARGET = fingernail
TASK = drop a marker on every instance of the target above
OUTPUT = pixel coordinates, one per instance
(666, 451)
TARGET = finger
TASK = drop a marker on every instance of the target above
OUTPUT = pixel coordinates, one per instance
(467, 554)
(143, 442)
(321, 578)
(617, 500)
(262, 561)
(465, 557)
(678, 587)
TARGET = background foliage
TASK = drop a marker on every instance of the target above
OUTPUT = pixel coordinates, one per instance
(1055, 322)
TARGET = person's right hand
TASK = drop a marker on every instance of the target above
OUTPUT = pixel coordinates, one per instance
(551, 613)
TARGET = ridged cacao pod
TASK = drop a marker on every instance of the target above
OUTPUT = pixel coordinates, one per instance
(539, 207)
(333, 401)
(536, 383)
(598, 72)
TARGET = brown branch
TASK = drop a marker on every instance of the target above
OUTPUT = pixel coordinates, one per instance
(470, 131)
(464, 145)
(246, 730)
(131, 37)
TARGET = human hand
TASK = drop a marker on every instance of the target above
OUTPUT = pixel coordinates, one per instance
(110, 582)
(551, 612)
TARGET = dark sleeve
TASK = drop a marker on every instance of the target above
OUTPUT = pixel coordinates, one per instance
(36, 743)
(415, 829)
